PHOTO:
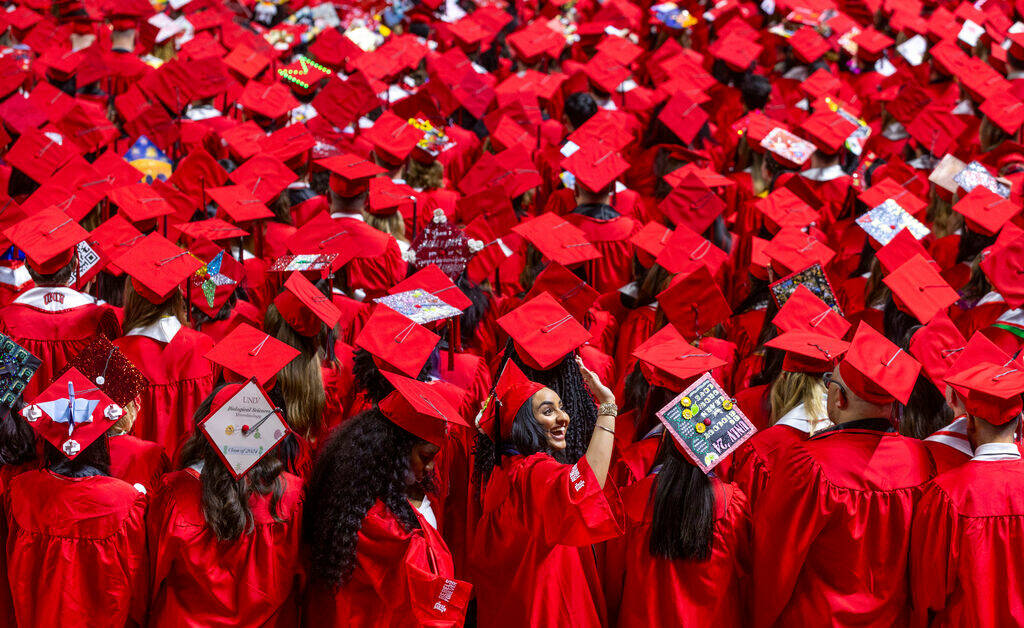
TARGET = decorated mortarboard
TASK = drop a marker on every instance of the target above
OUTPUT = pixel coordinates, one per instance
(216, 279)
(557, 239)
(238, 203)
(103, 364)
(72, 413)
(247, 352)
(157, 266)
(418, 408)
(543, 332)
(705, 423)
(419, 306)
(991, 391)
(48, 238)
(944, 174)
(791, 150)
(396, 342)
(671, 15)
(313, 263)
(693, 302)
(434, 141)
(17, 366)
(303, 74)
(812, 278)
(575, 294)
(667, 360)
(876, 370)
(918, 288)
(305, 308)
(151, 162)
(436, 282)
(882, 223)
(243, 426)
(975, 174)
(443, 245)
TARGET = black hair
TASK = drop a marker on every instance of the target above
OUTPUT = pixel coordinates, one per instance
(91, 461)
(363, 461)
(971, 244)
(926, 411)
(755, 90)
(525, 438)
(476, 312)
(565, 379)
(580, 107)
(225, 500)
(683, 523)
(368, 376)
(62, 277)
(17, 438)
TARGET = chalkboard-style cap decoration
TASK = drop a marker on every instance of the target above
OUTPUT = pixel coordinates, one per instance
(705, 424)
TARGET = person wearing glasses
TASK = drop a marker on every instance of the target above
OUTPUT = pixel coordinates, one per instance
(831, 526)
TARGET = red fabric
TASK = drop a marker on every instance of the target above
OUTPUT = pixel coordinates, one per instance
(137, 461)
(534, 564)
(53, 337)
(945, 457)
(832, 527)
(76, 549)
(962, 567)
(635, 330)
(646, 591)
(255, 580)
(634, 461)
(179, 379)
(611, 238)
(754, 403)
(399, 579)
(749, 470)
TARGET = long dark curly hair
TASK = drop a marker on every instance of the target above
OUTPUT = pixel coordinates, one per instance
(226, 500)
(364, 460)
(565, 379)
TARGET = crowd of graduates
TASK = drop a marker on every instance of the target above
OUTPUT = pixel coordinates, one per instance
(426, 313)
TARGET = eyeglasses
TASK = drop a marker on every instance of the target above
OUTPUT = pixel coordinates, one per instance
(828, 380)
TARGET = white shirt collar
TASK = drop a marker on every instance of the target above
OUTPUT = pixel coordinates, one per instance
(427, 512)
(163, 330)
(1014, 74)
(989, 452)
(827, 173)
(358, 217)
(52, 299)
(797, 419)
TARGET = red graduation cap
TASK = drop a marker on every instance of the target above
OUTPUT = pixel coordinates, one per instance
(784, 208)
(876, 370)
(1005, 110)
(804, 311)
(139, 202)
(899, 250)
(350, 174)
(418, 408)
(871, 44)
(993, 391)
(273, 101)
(889, 189)
(343, 102)
(48, 237)
(305, 308)
(650, 240)
(792, 250)
(808, 45)
(264, 176)
(433, 280)
(667, 360)
(392, 137)
(40, 154)
(567, 288)
(596, 167)
(985, 211)
(919, 288)
(72, 413)
(736, 50)
(557, 239)
(112, 237)
(936, 346)
(243, 426)
(238, 204)
(807, 351)
(1003, 267)
(247, 352)
(395, 342)
(827, 130)
(387, 197)
(694, 303)
(511, 392)
(692, 203)
(157, 267)
(543, 331)
(686, 250)
(246, 61)
(213, 229)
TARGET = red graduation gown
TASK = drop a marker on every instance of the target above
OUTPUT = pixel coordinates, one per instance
(832, 529)
(965, 561)
(611, 238)
(749, 468)
(534, 566)
(255, 580)
(54, 324)
(401, 578)
(137, 461)
(76, 550)
(180, 377)
(646, 591)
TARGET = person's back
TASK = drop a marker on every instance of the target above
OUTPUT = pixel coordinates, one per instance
(254, 580)
(838, 510)
(76, 548)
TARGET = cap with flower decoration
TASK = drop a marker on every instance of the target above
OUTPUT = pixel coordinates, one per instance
(244, 426)
(72, 413)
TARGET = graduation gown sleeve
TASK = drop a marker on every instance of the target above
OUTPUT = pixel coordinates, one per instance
(934, 554)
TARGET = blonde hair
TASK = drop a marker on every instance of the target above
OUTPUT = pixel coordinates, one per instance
(392, 224)
(424, 176)
(791, 389)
